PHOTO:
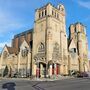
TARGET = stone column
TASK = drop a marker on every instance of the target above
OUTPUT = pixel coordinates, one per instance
(81, 65)
(37, 70)
(55, 67)
(28, 62)
(34, 69)
(50, 68)
(40, 69)
(60, 69)
(58, 66)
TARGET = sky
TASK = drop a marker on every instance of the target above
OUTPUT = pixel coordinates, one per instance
(18, 15)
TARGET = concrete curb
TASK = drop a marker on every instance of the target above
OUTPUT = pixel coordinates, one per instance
(38, 79)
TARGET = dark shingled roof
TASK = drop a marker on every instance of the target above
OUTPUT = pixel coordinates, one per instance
(27, 31)
(12, 50)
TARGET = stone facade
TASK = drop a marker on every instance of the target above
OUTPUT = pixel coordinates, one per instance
(78, 34)
(46, 49)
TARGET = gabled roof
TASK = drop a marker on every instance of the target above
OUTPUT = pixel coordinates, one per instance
(24, 43)
(72, 44)
(12, 50)
(25, 32)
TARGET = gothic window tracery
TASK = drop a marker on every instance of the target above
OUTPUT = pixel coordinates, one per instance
(24, 52)
(40, 56)
(41, 48)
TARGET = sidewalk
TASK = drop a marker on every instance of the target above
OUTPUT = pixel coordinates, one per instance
(53, 78)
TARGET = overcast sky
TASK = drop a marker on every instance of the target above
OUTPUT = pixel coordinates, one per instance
(18, 15)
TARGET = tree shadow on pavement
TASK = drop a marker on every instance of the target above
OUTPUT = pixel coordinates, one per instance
(9, 86)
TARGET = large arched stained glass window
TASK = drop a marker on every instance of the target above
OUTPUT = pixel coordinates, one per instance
(40, 53)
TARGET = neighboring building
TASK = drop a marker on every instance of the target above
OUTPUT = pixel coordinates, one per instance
(73, 62)
(79, 37)
(44, 50)
(89, 65)
(18, 57)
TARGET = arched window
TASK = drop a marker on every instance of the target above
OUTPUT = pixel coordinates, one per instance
(55, 14)
(39, 15)
(42, 13)
(24, 52)
(45, 12)
(52, 12)
(41, 47)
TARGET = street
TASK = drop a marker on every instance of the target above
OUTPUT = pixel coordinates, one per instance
(66, 84)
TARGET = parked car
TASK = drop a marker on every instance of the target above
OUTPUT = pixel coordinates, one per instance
(82, 74)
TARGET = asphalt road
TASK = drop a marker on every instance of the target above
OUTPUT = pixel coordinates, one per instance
(66, 84)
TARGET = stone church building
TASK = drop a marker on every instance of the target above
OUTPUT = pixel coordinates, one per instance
(46, 50)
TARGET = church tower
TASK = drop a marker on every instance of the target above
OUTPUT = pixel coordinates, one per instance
(78, 33)
(50, 41)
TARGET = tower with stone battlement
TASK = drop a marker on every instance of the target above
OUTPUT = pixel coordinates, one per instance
(50, 41)
(78, 34)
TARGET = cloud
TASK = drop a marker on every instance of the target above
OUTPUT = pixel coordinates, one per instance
(85, 4)
(15, 15)
(8, 23)
(12, 20)
(2, 44)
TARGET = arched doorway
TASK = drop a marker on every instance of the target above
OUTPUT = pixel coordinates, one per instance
(55, 59)
(54, 68)
(40, 61)
(41, 69)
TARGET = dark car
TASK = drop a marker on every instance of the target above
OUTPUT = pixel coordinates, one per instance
(82, 74)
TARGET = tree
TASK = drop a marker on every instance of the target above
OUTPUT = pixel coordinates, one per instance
(5, 73)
